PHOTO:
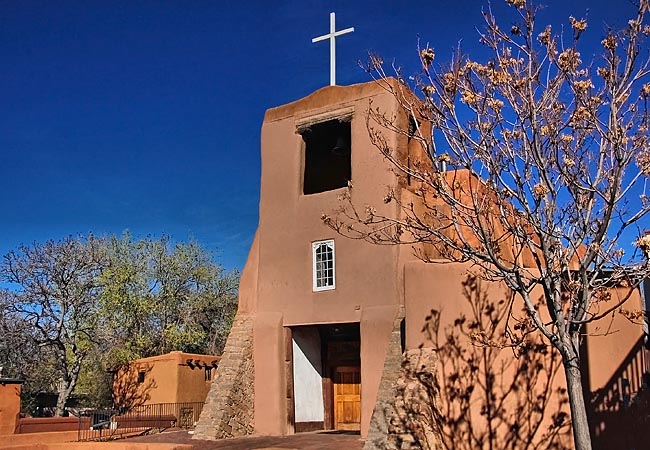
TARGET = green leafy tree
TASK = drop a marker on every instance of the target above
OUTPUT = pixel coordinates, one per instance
(159, 297)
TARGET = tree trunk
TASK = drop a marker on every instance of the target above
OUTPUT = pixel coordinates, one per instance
(66, 387)
(64, 393)
(581, 437)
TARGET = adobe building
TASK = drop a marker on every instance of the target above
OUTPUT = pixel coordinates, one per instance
(9, 405)
(175, 377)
(323, 320)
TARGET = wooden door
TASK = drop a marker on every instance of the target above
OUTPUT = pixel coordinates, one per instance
(347, 398)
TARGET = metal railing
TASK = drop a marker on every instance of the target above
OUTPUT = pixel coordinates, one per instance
(117, 423)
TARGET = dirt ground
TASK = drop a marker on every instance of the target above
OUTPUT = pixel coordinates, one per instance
(301, 441)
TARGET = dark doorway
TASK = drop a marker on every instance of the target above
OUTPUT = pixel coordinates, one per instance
(341, 347)
(324, 385)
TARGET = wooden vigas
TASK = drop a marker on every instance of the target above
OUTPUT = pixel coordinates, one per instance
(347, 398)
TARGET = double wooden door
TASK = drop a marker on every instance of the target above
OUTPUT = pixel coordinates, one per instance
(347, 398)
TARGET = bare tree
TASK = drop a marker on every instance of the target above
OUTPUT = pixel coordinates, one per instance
(20, 355)
(56, 294)
(531, 165)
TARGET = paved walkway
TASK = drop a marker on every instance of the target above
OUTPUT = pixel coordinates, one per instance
(301, 441)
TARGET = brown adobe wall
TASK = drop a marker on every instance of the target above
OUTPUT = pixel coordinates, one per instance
(32, 439)
(51, 424)
(616, 370)
(441, 314)
(611, 339)
(614, 359)
(175, 377)
(158, 384)
(436, 213)
(192, 385)
(290, 221)
(228, 410)
(9, 406)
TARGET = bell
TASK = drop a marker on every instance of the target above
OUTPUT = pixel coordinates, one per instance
(342, 147)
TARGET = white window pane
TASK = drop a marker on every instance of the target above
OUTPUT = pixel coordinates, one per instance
(323, 265)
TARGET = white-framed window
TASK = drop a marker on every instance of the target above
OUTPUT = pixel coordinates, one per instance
(323, 265)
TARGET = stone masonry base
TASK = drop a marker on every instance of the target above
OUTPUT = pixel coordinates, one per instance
(228, 410)
(384, 408)
(405, 417)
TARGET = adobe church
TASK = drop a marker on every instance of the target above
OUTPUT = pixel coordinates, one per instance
(316, 311)
(323, 320)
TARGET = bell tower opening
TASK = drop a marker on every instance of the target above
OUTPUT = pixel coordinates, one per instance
(327, 158)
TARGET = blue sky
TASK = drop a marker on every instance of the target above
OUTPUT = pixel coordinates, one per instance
(146, 115)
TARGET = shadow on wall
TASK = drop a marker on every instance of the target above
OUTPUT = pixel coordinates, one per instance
(620, 412)
(132, 386)
(496, 386)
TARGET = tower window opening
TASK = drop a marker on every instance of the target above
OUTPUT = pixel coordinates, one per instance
(327, 156)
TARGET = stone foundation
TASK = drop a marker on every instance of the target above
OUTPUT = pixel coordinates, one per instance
(228, 410)
(384, 408)
(405, 416)
(415, 424)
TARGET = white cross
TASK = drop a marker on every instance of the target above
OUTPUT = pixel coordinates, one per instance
(332, 37)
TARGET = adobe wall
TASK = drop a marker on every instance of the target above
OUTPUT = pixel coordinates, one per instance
(175, 377)
(163, 376)
(290, 221)
(438, 287)
(31, 439)
(616, 372)
(270, 385)
(9, 405)
(159, 384)
(377, 334)
(27, 425)
(434, 287)
(611, 340)
(445, 313)
(192, 384)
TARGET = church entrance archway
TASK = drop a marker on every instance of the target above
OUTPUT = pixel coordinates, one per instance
(326, 377)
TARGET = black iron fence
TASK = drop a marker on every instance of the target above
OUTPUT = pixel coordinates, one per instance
(116, 423)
